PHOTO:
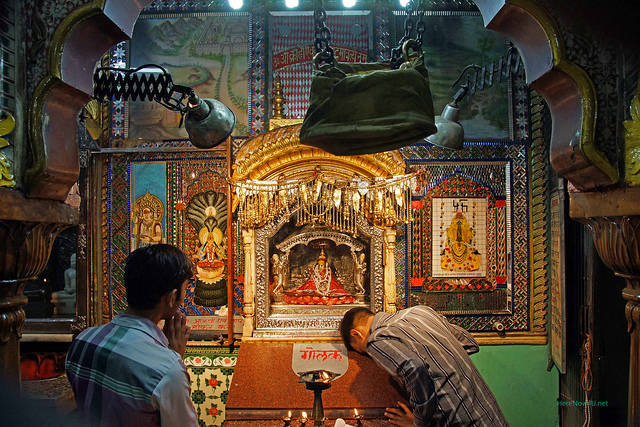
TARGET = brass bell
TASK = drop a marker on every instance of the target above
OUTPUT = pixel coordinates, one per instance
(208, 122)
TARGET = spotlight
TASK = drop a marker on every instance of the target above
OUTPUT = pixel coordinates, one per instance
(235, 4)
(404, 3)
(349, 3)
(291, 3)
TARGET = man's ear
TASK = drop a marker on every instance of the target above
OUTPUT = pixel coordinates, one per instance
(170, 297)
(355, 334)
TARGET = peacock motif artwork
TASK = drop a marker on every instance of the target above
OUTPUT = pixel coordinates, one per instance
(207, 214)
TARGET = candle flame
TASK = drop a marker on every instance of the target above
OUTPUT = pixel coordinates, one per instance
(355, 410)
(289, 415)
(304, 414)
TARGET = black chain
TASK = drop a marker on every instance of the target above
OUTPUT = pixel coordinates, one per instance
(324, 52)
(397, 57)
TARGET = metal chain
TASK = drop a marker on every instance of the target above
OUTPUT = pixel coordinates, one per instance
(413, 6)
(324, 52)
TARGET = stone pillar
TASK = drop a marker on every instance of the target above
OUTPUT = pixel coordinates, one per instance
(28, 228)
(613, 219)
(389, 270)
(249, 242)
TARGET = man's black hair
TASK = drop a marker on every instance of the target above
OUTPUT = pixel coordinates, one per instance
(152, 271)
(351, 319)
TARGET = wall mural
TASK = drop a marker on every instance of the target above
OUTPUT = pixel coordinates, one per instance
(176, 199)
(453, 40)
(207, 52)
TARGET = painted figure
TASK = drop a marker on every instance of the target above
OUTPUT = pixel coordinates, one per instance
(147, 216)
(459, 253)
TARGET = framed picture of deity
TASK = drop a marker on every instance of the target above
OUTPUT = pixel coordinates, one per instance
(179, 199)
(208, 52)
(453, 40)
(463, 245)
(477, 243)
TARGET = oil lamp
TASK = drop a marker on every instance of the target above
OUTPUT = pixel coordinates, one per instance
(287, 419)
(303, 419)
(358, 418)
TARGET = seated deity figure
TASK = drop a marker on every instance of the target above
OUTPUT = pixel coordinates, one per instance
(210, 255)
(146, 227)
(65, 300)
(459, 253)
(321, 288)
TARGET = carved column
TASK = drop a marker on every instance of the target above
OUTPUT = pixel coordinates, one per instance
(389, 270)
(613, 219)
(249, 243)
(27, 230)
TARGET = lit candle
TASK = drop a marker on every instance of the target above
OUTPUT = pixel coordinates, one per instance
(287, 419)
(358, 418)
(303, 419)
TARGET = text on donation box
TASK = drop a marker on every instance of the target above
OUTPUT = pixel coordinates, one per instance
(330, 357)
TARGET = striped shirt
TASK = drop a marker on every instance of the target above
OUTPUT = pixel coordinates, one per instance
(124, 374)
(429, 357)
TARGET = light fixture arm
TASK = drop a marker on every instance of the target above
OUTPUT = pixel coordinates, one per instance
(208, 121)
(480, 77)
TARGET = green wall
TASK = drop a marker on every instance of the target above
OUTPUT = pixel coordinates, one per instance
(518, 377)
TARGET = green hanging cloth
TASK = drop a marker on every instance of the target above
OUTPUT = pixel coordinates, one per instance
(368, 108)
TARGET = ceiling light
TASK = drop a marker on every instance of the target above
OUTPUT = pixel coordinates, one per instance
(349, 3)
(291, 3)
(235, 4)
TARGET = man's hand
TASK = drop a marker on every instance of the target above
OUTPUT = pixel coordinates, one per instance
(177, 332)
(402, 416)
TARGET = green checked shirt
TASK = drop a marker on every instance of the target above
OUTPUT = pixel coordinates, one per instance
(429, 358)
(124, 374)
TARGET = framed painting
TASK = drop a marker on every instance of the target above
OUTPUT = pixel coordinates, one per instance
(462, 229)
(206, 51)
(452, 41)
(180, 199)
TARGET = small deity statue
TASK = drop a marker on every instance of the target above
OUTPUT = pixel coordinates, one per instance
(321, 288)
(65, 300)
(278, 267)
(359, 268)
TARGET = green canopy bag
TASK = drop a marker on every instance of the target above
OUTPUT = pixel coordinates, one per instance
(368, 108)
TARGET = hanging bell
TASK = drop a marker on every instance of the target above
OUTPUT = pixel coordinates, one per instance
(208, 122)
(450, 132)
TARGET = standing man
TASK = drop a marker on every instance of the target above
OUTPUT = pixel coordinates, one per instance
(129, 372)
(430, 359)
